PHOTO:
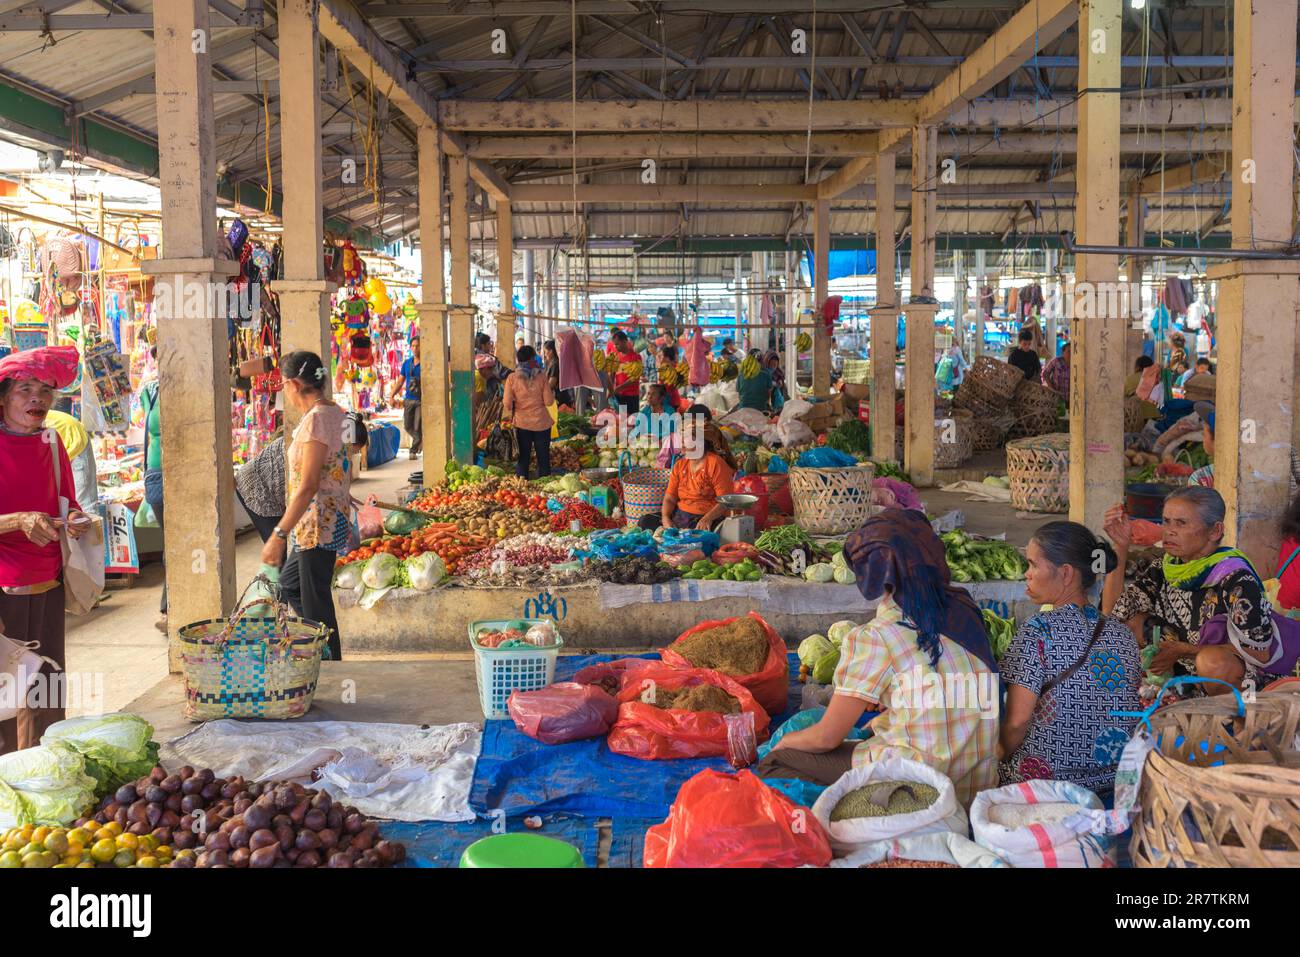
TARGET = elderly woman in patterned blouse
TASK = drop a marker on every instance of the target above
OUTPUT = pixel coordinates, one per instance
(1198, 579)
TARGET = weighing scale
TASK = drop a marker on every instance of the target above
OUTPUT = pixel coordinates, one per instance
(737, 526)
(600, 496)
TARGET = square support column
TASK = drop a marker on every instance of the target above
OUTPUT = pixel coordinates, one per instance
(821, 378)
(505, 334)
(918, 451)
(1097, 367)
(884, 318)
(435, 406)
(193, 356)
(461, 311)
(303, 292)
(1258, 299)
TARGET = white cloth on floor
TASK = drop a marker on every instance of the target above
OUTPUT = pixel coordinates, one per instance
(401, 772)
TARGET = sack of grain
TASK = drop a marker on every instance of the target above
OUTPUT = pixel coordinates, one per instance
(944, 847)
(943, 813)
(1038, 824)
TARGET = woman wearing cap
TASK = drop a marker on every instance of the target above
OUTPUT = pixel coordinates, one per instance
(31, 559)
(316, 520)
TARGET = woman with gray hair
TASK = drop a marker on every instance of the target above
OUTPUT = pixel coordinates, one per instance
(1198, 579)
(1067, 670)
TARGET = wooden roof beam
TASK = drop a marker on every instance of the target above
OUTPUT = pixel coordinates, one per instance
(636, 146)
(620, 193)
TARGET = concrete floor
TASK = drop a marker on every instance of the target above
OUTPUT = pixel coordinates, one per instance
(118, 639)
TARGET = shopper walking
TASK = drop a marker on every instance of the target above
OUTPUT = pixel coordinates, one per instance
(525, 403)
(315, 526)
(31, 559)
(259, 487)
(408, 379)
(153, 476)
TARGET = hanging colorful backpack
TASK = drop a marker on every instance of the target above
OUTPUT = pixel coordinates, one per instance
(354, 313)
(361, 351)
(410, 311)
(262, 262)
(237, 235)
(270, 382)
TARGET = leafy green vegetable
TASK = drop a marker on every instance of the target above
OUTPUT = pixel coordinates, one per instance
(404, 523)
(44, 785)
(813, 648)
(116, 747)
(971, 560)
(824, 671)
(1001, 632)
(850, 436)
(892, 470)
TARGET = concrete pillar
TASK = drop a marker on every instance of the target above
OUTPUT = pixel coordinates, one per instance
(506, 332)
(1258, 299)
(979, 305)
(918, 439)
(821, 281)
(461, 312)
(303, 292)
(884, 317)
(1097, 369)
(435, 408)
(530, 299)
(193, 356)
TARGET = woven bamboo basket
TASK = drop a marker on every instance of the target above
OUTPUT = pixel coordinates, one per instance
(994, 376)
(832, 501)
(251, 667)
(990, 431)
(1220, 789)
(1133, 420)
(977, 399)
(953, 439)
(1035, 408)
(1039, 469)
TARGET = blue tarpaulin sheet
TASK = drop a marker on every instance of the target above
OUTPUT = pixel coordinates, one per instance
(435, 844)
(520, 776)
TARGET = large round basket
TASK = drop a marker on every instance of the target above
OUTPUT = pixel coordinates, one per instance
(1035, 408)
(976, 398)
(953, 442)
(995, 377)
(988, 432)
(1220, 789)
(832, 501)
(1039, 469)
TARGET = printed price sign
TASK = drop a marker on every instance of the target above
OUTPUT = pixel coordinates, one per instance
(120, 556)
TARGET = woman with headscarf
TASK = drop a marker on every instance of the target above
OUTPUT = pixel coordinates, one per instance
(924, 662)
(37, 474)
(526, 402)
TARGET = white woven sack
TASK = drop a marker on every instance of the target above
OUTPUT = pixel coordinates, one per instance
(1067, 843)
(945, 814)
(945, 847)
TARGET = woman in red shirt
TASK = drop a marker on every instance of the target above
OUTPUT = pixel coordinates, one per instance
(31, 559)
(627, 389)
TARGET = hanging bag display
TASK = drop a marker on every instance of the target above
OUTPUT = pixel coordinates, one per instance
(270, 381)
(361, 351)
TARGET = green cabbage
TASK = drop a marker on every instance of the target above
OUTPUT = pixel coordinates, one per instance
(839, 631)
(813, 648)
(116, 747)
(844, 575)
(824, 671)
(380, 571)
(44, 785)
(425, 570)
(821, 572)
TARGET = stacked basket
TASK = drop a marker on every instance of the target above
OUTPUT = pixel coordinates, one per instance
(1039, 470)
(953, 439)
(987, 393)
(1035, 408)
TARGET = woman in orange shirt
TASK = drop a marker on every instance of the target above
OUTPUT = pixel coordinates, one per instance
(703, 472)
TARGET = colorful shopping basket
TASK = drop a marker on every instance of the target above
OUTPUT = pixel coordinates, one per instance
(643, 488)
(251, 666)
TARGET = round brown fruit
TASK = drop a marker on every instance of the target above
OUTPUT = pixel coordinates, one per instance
(239, 857)
(308, 859)
(264, 857)
(154, 794)
(307, 841)
(239, 836)
(262, 839)
(315, 819)
(125, 795)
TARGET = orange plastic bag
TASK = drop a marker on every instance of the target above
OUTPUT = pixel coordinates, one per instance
(735, 820)
(645, 731)
(770, 685)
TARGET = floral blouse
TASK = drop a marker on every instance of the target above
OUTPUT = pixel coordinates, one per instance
(325, 524)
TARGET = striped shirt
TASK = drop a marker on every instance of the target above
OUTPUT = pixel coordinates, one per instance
(946, 718)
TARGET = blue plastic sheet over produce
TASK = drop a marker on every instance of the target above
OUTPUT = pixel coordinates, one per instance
(521, 776)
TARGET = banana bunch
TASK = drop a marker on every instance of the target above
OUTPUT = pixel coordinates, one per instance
(632, 370)
(749, 367)
(803, 342)
(600, 360)
(674, 375)
(728, 371)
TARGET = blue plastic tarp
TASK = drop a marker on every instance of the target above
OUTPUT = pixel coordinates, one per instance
(435, 844)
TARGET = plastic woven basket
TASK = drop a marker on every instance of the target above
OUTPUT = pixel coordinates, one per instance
(643, 490)
(501, 671)
(251, 667)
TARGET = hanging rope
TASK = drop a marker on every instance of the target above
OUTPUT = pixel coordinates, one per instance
(266, 112)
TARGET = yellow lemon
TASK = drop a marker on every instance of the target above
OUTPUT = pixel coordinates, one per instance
(115, 827)
(127, 842)
(79, 835)
(40, 834)
(149, 861)
(57, 841)
(103, 850)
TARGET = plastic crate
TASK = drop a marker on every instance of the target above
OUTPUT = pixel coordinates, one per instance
(515, 669)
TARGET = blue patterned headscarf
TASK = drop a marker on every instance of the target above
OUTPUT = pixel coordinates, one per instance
(898, 549)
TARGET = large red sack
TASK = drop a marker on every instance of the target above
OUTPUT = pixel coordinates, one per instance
(562, 712)
(770, 685)
(645, 731)
(735, 820)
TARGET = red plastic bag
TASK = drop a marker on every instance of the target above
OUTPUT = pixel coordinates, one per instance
(755, 486)
(735, 820)
(645, 731)
(562, 712)
(770, 685)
